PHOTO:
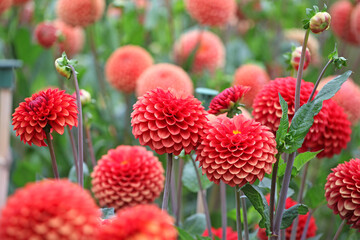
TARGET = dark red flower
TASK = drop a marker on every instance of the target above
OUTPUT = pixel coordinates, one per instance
(236, 151)
(127, 176)
(49, 210)
(342, 192)
(226, 100)
(166, 123)
(331, 129)
(230, 234)
(139, 222)
(49, 108)
(46, 34)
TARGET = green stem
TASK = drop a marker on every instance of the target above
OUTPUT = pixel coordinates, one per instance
(238, 217)
(223, 208)
(273, 188)
(179, 192)
(76, 164)
(52, 153)
(337, 234)
(243, 204)
(90, 144)
(167, 182)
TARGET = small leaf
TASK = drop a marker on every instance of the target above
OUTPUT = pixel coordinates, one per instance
(332, 87)
(314, 197)
(257, 199)
(195, 224)
(291, 213)
(189, 178)
(107, 213)
(183, 235)
(303, 158)
(284, 124)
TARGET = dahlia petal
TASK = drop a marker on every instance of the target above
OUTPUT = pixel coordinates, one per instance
(58, 128)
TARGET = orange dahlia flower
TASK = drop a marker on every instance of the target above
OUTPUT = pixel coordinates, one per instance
(71, 39)
(230, 234)
(50, 108)
(236, 150)
(49, 210)
(330, 130)
(342, 192)
(145, 222)
(127, 176)
(166, 123)
(125, 65)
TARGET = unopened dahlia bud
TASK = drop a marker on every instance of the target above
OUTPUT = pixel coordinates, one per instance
(85, 96)
(295, 58)
(64, 70)
(320, 22)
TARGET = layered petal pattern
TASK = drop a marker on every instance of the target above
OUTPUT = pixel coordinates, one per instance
(49, 108)
(236, 151)
(127, 176)
(166, 123)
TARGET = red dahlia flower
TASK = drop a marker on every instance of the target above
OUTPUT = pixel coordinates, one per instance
(342, 192)
(46, 34)
(230, 234)
(49, 210)
(227, 99)
(331, 129)
(145, 222)
(166, 123)
(311, 232)
(236, 150)
(49, 108)
(126, 176)
(5, 5)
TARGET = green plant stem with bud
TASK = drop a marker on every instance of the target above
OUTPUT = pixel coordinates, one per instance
(52, 153)
(169, 164)
(73, 147)
(238, 217)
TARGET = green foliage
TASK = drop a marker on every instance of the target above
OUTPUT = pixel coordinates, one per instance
(283, 127)
(338, 62)
(189, 178)
(195, 224)
(107, 213)
(299, 162)
(291, 213)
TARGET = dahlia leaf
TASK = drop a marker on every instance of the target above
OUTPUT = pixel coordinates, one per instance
(303, 158)
(257, 199)
(195, 224)
(284, 124)
(315, 196)
(190, 181)
(291, 213)
(184, 235)
(107, 213)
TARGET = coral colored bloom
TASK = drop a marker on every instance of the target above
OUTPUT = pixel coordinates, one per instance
(230, 234)
(236, 151)
(252, 76)
(165, 75)
(127, 176)
(342, 192)
(142, 222)
(49, 108)
(227, 99)
(295, 58)
(71, 39)
(348, 97)
(211, 12)
(311, 232)
(46, 34)
(125, 65)
(19, 2)
(80, 12)
(166, 123)
(331, 129)
(49, 209)
(210, 51)
(5, 5)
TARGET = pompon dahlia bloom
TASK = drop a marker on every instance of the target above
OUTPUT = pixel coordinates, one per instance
(348, 97)
(127, 176)
(210, 51)
(253, 76)
(49, 210)
(165, 75)
(145, 222)
(236, 150)
(342, 192)
(71, 39)
(166, 123)
(211, 12)
(49, 108)
(331, 129)
(125, 65)
(46, 34)
(5, 5)
(230, 234)
(227, 99)
(301, 224)
(80, 12)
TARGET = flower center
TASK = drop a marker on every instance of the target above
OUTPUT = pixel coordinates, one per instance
(236, 132)
(36, 103)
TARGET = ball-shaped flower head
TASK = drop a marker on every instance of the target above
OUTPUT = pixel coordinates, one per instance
(348, 97)
(80, 12)
(210, 51)
(46, 34)
(296, 56)
(165, 75)
(125, 65)
(49, 210)
(5, 5)
(341, 14)
(236, 150)
(227, 100)
(127, 176)
(50, 108)
(71, 39)
(211, 12)
(19, 2)
(311, 232)
(342, 192)
(145, 222)
(330, 130)
(166, 123)
(253, 76)
(230, 234)
(355, 22)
